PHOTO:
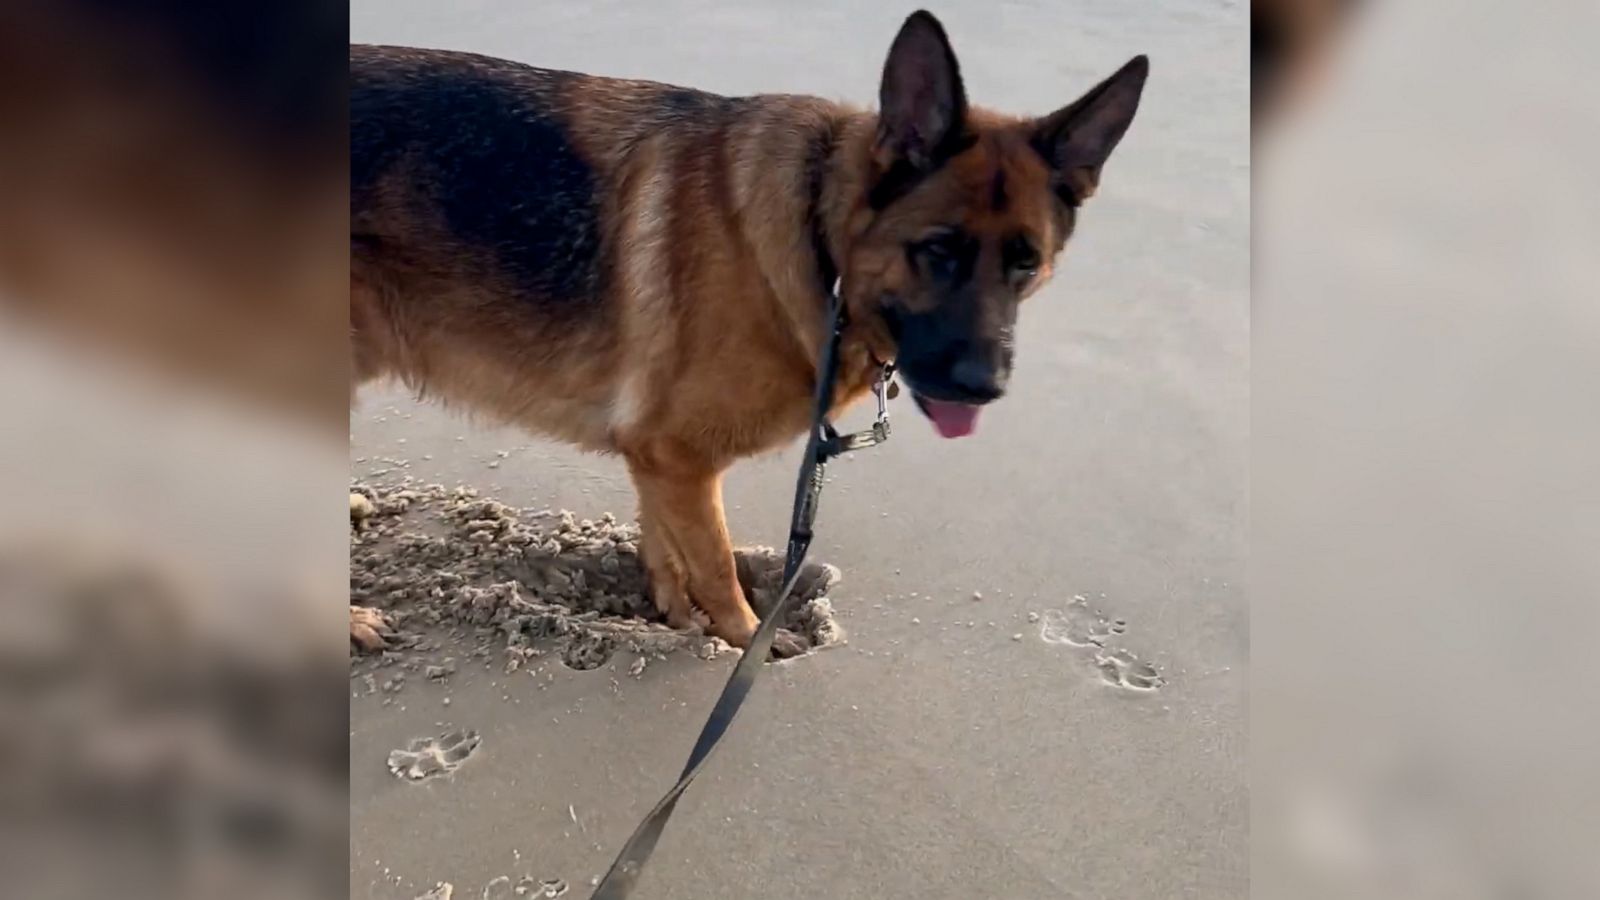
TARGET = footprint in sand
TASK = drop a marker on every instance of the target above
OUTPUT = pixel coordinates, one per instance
(543, 888)
(1122, 669)
(1079, 626)
(526, 887)
(427, 757)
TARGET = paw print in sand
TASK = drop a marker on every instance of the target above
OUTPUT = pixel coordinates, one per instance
(1122, 669)
(426, 757)
(1079, 626)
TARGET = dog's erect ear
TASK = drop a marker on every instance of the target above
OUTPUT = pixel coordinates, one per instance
(1077, 139)
(922, 103)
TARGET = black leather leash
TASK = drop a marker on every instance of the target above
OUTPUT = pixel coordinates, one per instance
(823, 444)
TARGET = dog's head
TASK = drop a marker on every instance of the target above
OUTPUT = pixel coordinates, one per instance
(965, 213)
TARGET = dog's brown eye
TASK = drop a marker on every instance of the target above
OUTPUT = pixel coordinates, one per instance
(1021, 259)
(948, 255)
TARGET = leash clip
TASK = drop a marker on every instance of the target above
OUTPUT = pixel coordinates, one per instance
(882, 388)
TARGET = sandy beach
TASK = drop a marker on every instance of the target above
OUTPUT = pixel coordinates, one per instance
(1040, 689)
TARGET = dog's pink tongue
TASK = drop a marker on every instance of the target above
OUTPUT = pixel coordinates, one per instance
(952, 420)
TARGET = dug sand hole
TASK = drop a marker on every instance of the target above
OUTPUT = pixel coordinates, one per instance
(540, 580)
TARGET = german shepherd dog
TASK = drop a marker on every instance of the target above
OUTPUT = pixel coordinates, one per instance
(645, 270)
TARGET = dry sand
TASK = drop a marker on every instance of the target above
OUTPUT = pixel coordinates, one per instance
(1021, 745)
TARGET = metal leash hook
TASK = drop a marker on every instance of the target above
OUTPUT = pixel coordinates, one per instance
(822, 444)
(883, 389)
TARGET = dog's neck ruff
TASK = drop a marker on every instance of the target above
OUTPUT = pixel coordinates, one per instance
(830, 279)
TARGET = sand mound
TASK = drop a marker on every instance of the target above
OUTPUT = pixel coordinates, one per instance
(542, 579)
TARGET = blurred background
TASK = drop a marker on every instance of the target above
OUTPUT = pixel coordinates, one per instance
(172, 405)
(1426, 509)
(1426, 500)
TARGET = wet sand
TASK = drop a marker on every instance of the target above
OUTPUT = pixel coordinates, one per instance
(1076, 731)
